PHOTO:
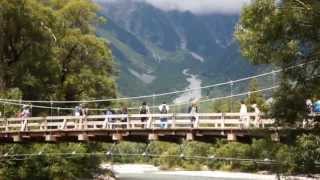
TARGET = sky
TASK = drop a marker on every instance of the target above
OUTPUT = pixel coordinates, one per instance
(196, 6)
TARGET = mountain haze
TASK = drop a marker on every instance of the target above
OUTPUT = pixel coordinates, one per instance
(154, 46)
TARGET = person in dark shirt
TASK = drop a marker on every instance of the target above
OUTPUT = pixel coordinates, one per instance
(144, 109)
(193, 110)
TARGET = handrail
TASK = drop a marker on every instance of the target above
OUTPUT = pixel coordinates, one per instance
(129, 121)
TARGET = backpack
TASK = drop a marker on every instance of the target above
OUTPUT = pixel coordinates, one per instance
(164, 109)
(143, 110)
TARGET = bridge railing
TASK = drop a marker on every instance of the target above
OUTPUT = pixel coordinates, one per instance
(133, 121)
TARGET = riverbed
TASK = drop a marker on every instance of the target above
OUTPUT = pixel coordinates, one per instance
(194, 83)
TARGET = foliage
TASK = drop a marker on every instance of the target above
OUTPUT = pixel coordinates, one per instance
(49, 50)
(256, 97)
(10, 110)
(291, 158)
(308, 148)
(48, 167)
(284, 33)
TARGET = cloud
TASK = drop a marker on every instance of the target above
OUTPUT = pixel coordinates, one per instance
(196, 6)
(201, 6)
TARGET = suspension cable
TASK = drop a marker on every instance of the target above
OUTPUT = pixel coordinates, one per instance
(161, 94)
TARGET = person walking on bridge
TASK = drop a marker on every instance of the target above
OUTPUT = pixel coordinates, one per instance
(80, 112)
(144, 109)
(25, 111)
(243, 114)
(109, 120)
(164, 109)
(193, 111)
(257, 115)
(124, 119)
(24, 115)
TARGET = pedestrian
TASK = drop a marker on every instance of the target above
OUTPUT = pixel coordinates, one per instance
(124, 118)
(144, 110)
(77, 111)
(309, 106)
(109, 120)
(193, 111)
(257, 115)
(164, 109)
(243, 113)
(25, 111)
(84, 110)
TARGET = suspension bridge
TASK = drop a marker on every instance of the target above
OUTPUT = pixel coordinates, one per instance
(111, 128)
(205, 126)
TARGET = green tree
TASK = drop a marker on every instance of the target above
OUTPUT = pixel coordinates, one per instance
(49, 49)
(309, 153)
(283, 34)
(255, 97)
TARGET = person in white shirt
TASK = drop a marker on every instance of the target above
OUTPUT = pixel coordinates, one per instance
(164, 109)
(257, 117)
(243, 113)
(309, 105)
(108, 119)
(77, 111)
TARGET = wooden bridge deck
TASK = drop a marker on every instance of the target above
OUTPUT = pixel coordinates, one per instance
(112, 127)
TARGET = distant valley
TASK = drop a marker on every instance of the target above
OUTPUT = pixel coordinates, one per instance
(153, 47)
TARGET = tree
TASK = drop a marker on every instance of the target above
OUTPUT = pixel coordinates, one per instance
(49, 50)
(309, 153)
(284, 34)
(25, 44)
(255, 97)
(48, 166)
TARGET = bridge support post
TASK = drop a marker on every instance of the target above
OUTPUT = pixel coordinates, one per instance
(83, 137)
(149, 122)
(173, 121)
(153, 137)
(189, 137)
(16, 138)
(50, 138)
(231, 137)
(222, 120)
(24, 124)
(64, 124)
(116, 137)
(196, 122)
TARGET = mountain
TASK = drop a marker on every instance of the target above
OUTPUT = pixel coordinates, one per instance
(152, 47)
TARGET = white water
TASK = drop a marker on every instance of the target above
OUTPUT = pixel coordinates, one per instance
(194, 82)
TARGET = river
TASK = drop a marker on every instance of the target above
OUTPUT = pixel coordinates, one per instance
(149, 172)
(194, 83)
